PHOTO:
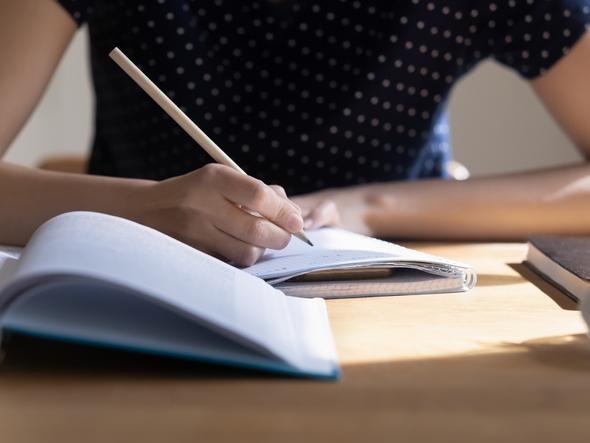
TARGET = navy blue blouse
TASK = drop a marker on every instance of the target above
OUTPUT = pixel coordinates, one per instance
(306, 94)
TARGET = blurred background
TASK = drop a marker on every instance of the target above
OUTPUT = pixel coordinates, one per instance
(498, 124)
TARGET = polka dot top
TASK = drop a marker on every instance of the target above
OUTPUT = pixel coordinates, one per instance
(304, 93)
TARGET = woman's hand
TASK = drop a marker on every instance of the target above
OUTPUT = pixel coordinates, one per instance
(318, 212)
(213, 210)
(346, 207)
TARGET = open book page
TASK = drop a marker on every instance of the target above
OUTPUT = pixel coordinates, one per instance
(123, 253)
(318, 352)
(10, 251)
(334, 248)
(68, 311)
(8, 266)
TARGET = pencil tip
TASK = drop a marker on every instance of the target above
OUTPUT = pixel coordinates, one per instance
(301, 236)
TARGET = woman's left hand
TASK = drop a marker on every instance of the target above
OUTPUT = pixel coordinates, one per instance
(345, 208)
(318, 213)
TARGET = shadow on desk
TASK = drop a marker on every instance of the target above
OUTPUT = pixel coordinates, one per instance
(35, 356)
(558, 296)
(25, 356)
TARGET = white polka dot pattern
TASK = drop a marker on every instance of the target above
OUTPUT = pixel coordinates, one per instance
(305, 93)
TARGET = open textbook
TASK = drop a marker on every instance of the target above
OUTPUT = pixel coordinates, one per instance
(344, 264)
(101, 280)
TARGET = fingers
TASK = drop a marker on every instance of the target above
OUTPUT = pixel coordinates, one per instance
(325, 214)
(209, 209)
(261, 199)
(238, 252)
(279, 190)
(250, 228)
(253, 194)
(304, 205)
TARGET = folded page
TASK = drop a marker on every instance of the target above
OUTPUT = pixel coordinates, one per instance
(105, 248)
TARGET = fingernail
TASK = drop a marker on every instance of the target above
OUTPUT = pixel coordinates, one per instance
(294, 222)
(308, 223)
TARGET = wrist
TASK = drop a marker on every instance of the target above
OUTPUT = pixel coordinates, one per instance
(130, 199)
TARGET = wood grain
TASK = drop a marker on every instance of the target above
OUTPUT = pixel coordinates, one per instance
(502, 363)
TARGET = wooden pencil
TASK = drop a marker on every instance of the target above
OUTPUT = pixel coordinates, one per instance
(179, 116)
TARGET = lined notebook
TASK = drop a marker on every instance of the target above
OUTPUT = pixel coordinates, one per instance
(345, 264)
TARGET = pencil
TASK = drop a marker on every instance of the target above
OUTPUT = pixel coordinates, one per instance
(180, 117)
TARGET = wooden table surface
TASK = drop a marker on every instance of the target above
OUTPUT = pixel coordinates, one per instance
(502, 363)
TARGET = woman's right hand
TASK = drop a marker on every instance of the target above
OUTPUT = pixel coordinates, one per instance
(212, 209)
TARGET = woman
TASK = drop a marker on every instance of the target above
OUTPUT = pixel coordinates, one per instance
(341, 103)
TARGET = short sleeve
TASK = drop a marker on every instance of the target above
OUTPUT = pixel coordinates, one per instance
(532, 35)
(80, 10)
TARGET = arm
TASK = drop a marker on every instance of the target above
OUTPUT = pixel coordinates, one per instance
(201, 208)
(500, 207)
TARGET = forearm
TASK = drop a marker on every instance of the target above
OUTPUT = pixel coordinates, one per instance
(29, 197)
(501, 207)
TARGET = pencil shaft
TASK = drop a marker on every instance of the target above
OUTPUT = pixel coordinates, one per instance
(151, 89)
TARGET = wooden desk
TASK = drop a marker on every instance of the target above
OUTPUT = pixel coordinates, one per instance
(503, 363)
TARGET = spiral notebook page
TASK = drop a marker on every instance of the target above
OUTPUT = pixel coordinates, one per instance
(291, 265)
(337, 239)
(401, 282)
(336, 248)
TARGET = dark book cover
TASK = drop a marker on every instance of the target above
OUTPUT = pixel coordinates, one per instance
(570, 252)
